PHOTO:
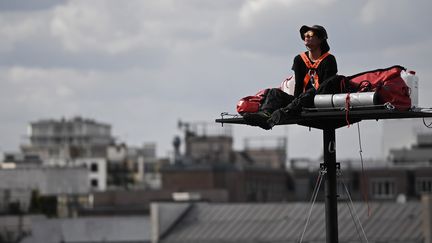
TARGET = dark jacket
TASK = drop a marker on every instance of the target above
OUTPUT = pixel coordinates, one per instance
(325, 70)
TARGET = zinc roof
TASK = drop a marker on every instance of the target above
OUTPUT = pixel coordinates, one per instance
(284, 222)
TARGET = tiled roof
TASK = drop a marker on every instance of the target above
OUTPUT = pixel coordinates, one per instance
(90, 229)
(284, 222)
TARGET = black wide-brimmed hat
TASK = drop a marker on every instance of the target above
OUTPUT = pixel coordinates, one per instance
(317, 29)
(320, 32)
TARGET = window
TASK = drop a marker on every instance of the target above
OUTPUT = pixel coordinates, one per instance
(94, 167)
(423, 185)
(383, 188)
(94, 183)
(149, 168)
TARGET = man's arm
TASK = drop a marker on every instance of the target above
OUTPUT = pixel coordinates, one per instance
(299, 75)
(330, 68)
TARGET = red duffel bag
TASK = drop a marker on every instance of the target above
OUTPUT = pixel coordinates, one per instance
(251, 104)
(387, 82)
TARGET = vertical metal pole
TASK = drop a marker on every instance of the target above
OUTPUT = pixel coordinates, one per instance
(330, 186)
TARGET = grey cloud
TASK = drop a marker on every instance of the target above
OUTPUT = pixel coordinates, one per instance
(54, 56)
(128, 27)
(28, 5)
(163, 35)
(199, 59)
(275, 28)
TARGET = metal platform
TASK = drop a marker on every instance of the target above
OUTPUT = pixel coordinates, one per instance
(329, 121)
(338, 118)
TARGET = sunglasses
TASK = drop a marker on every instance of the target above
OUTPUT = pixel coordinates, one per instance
(309, 34)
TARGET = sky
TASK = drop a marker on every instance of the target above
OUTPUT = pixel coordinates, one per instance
(143, 65)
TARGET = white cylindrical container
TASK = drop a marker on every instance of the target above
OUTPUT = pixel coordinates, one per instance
(411, 81)
(340, 100)
(356, 99)
(323, 101)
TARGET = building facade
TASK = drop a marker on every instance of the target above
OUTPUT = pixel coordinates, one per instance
(419, 152)
(133, 167)
(97, 172)
(35, 188)
(246, 184)
(68, 139)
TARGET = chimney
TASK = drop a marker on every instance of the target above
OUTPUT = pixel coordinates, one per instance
(426, 202)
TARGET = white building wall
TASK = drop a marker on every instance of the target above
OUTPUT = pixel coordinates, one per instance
(8, 196)
(97, 169)
(47, 180)
(117, 153)
(401, 133)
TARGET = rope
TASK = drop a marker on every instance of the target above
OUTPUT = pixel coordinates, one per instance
(389, 106)
(356, 219)
(313, 199)
(339, 175)
(347, 108)
(427, 125)
(355, 224)
(364, 186)
(351, 209)
(426, 110)
(352, 215)
(223, 114)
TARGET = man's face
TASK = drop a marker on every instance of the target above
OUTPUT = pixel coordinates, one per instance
(311, 40)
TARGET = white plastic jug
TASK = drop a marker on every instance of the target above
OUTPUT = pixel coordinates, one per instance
(411, 81)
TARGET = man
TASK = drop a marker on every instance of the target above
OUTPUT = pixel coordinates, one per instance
(310, 68)
(315, 40)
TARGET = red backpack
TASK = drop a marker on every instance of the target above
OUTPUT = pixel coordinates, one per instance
(251, 104)
(387, 82)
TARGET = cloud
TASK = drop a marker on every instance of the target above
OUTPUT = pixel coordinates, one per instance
(142, 65)
(28, 5)
(89, 25)
(252, 10)
(109, 34)
(271, 27)
(106, 30)
(113, 27)
(396, 12)
(19, 27)
(36, 90)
